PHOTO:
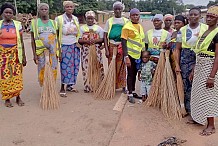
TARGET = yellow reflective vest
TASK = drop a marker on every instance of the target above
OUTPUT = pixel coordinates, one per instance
(38, 42)
(203, 46)
(19, 45)
(137, 44)
(86, 28)
(203, 28)
(163, 38)
(60, 21)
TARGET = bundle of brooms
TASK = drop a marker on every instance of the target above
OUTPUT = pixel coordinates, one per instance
(169, 97)
(94, 68)
(153, 99)
(107, 87)
(49, 96)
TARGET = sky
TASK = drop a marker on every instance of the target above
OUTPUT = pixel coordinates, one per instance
(197, 2)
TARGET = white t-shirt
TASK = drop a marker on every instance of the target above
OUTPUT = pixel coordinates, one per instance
(156, 37)
(191, 36)
(70, 30)
(99, 31)
(115, 21)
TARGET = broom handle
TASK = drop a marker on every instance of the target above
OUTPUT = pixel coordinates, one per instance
(114, 52)
(46, 52)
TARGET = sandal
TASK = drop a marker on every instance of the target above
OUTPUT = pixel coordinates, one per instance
(71, 89)
(8, 104)
(136, 96)
(63, 94)
(207, 133)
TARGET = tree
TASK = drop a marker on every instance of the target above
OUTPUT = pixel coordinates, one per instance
(156, 12)
(211, 3)
(85, 6)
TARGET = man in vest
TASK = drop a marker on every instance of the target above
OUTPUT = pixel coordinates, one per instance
(132, 43)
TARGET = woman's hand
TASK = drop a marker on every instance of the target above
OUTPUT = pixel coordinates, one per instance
(191, 76)
(106, 53)
(210, 83)
(177, 69)
(128, 62)
(24, 61)
(35, 58)
(139, 78)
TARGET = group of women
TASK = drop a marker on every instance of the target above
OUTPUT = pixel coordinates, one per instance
(194, 45)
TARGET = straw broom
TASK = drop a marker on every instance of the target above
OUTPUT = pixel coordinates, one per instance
(154, 93)
(170, 101)
(93, 75)
(49, 96)
(180, 89)
(107, 87)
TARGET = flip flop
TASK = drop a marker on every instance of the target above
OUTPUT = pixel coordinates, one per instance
(8, 104)
(63, 94)
(207, 133)
(71, 89)
(20, 102)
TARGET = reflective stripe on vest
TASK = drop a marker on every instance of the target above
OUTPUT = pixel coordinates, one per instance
(203, 46)
(60, 20)
(203, 28)
(17, 25)
(163, 38)
(86, 28)
(136, 44)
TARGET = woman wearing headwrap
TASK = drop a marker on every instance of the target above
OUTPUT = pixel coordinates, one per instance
(204, 94)
(112, 39)
(154, 38)
(12, 56)
(44, 39)
(184, 55)
(91, 34)
(69, 33)
(168, 21)
(179, 22)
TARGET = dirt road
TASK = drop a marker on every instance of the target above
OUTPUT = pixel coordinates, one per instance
(83, 121)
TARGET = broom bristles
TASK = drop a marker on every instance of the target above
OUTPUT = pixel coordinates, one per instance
(107, 87)
(180, 89)
(154, 93)
(170, 101)
(49, 96)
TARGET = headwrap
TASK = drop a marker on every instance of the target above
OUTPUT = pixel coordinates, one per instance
(181, 18)
(134, 11)
(69, 3)
(7, 5)
(42, 4)
(168, 16)
(158, 16)
(213, 10)
(117, 3)
(90, 13)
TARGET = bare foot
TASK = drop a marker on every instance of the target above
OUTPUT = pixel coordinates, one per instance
(8, 103)
(19, 101)
(208, 131)
(190, 120)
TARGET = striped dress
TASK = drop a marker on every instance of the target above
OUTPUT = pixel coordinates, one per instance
(204, 101)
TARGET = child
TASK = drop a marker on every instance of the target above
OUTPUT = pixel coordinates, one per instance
(145, 73)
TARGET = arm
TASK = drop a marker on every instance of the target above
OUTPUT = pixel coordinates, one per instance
(139, 75)
(35, 58)
(106, 44)
(211, 78)
(177, 55)
(125, 52)
(23, 50)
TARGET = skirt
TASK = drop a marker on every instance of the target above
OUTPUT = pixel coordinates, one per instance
(204, 102)
(11, 77)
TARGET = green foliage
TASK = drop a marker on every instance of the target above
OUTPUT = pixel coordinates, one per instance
(156, 12)
(211, 3)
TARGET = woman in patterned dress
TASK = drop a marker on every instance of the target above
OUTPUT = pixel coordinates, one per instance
(44, 29)
(68, 29)
(12, 56)
(86, 42)
(204, 95)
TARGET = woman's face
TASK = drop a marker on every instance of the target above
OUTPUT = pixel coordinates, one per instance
(43, 11)
(157, 23)
(69, 8)
(118, 11)
(178, 24)
(211, 20)
(194, 16)
(8, 14)
(135, 18)
(168, 22)
(90, 20)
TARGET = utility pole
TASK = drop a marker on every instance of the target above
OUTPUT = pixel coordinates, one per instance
(37, 2)
(15, 4)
